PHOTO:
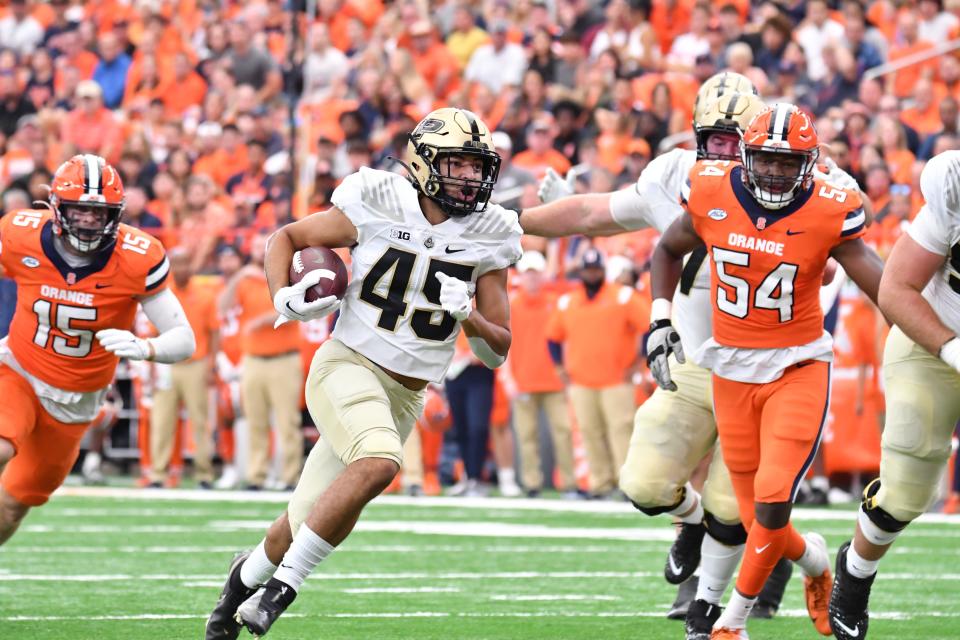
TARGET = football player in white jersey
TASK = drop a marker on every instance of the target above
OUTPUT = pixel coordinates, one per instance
(673, 431)
(920, 294)
(421, 250)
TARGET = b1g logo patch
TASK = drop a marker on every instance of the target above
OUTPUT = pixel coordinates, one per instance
(716, 214)
(398, 234)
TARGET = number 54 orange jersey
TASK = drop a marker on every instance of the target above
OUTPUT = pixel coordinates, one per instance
(60, 308)
(767, 264)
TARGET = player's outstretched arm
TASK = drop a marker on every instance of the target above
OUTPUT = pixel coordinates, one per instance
(587, 214)
(861, 263)
(330, 228)
(666, 265)
(909, 268)
(488, 326)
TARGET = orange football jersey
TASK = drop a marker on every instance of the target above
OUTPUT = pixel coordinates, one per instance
(60, 308)
(767, 264)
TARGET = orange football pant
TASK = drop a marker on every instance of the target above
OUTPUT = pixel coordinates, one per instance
(769, 434)
(45, 448)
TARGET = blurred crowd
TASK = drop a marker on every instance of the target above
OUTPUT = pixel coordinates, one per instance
(229, 118)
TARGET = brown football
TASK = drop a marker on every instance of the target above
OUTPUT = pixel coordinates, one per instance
(334, 280)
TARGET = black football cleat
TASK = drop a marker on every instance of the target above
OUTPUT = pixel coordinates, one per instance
(686, 592)
(849, 616)
(684, 556)
(259, 612)
(220, 624)
(768, 602)
(700, 619)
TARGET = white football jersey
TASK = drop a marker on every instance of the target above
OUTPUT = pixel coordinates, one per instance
(655, 202)
(391, 311)
(937, 229)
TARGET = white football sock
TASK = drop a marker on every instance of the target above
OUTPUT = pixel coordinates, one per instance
(718, 563)
(307, 551)
(257, 568)
(814, 560)
(691, 500)
(858, 566)
(736, 613)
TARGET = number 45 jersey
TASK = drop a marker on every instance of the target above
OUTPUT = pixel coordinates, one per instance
(391, 311)
(767, 269)
(60, 308)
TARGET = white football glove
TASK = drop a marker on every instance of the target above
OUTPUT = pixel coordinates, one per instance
(289, 301)
(455, 296)
(950, 352)
(837, 176)
(662, 341)
(124, 344)
(553, 187)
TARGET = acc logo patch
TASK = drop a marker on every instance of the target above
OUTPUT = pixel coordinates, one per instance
(31, 262)
(716, 214)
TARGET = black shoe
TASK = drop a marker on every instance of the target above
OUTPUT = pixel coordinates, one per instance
(768, 602)
(533, 493)
(685, 595)
(259, 613)
(849, 616)
(684, 556)
(155, 485)
(414, 491)
(700, 619)
(220, 624)
(206, 485)
(253, 487)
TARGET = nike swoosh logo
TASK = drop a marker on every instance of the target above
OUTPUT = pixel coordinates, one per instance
(449, 250)
(853, 633)
(285, 566)
(677, 570)
(763, 548)
(793, 233)
(101, 285)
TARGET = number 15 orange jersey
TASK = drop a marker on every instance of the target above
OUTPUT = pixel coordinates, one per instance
(60, 308)
(767, 264)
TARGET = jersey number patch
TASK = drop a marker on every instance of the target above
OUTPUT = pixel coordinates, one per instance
(428, 324)
(77, 342)
(775, 292)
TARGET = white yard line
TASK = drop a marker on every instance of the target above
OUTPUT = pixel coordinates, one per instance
(494, 504)
(573, 597)
(401, 590)
(789, 613)
(411, 575)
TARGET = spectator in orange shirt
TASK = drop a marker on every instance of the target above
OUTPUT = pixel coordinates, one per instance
(187, 382)
(187, 90)
(433, 61)
(949, 112)
(271, 377)
(902, 82)
(231, 158)
(91, 127)
(594, 342)
(202, 221)
(539, 387)
(924, 116)
(540, 153)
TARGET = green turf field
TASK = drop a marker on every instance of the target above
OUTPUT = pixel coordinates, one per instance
(135, 564)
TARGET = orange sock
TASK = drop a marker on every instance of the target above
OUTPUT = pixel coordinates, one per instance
(763, 551)
(796, 545)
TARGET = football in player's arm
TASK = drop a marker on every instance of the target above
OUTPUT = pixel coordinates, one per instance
(920, 294)
(421, 250)
(80, 274)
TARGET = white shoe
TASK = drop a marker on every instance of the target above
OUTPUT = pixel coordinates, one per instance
(458, 489)
(508, 484)
(228, 479)
(91, 468)
(476, 490)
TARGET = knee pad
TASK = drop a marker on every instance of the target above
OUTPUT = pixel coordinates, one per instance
(659, 510)
(731, 535)
(877, 524)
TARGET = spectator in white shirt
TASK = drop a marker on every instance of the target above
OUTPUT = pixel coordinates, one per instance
(499, 63)
(324, 64)
(817, 31)
(688, 46)
(935, 23)
(19, 30)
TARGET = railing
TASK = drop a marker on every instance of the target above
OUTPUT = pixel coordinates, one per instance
(912, 59)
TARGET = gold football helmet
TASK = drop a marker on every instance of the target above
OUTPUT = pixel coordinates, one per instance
(718, 85)
(444, 137)
(731, 113)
